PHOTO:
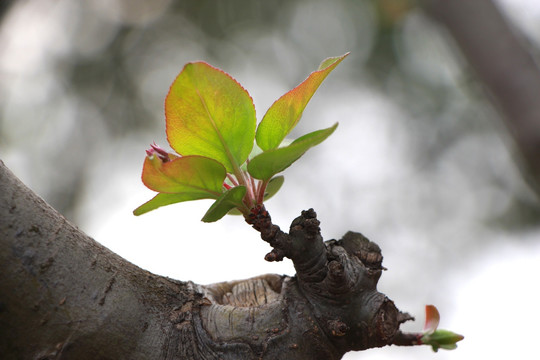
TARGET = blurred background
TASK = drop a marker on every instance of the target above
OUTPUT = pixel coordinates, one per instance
(421, 163)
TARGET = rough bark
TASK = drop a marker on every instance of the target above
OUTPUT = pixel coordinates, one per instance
(62, 295)
(507, 70)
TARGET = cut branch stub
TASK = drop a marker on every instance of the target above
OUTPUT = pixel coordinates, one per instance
(338, 279)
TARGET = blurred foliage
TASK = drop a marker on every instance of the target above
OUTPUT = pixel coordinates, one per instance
(100, 70)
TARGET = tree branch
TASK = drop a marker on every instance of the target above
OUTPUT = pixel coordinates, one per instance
(338, 278)
(496, 53)
(62, 295)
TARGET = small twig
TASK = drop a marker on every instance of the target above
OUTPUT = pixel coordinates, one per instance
(261, 221)
(407, 339)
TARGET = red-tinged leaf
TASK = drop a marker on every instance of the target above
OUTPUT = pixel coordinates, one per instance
(271, 162)
(208, 113)
(432, 319)
(193, 174)
(285, 113)
(163, 199)
(230, 199)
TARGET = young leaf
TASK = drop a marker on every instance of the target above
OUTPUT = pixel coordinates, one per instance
(208, 113)
(437, 338)
(441, 339)
(163, 199)
(432, 319)
(193, 174)
(271, 162)
(230, 199)
(285, 113)
(273, 186)
(271, 189)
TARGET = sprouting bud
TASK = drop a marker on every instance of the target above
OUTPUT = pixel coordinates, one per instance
(155, 150)
(441, 339)
(437, 338)
(432, 319)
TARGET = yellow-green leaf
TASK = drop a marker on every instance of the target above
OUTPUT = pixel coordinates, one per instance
(163, 199)
(230, 199)
(273, 186)
(285, 113)
(441, 339)
(208, 113)
(271, 162)
(187, 174)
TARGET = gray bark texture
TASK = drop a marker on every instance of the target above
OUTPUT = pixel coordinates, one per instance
(64, 296)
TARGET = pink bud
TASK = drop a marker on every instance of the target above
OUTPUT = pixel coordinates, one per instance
(159, 152)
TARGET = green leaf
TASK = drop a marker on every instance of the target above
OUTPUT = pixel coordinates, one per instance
(443, 339)
(271, 162)
(163, 199)
(235, 212)
(208, 113)
(285, 113)
(273, 186)
(230, 199)
(446, 347)
(193, 174)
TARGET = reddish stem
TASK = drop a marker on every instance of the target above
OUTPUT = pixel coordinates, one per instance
(261, 190)
(232, 179)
